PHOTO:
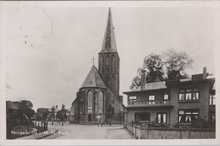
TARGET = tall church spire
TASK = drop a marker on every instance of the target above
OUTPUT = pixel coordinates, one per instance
(109, 59)
(109, 44)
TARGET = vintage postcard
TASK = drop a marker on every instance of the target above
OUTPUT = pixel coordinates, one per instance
(109, 72)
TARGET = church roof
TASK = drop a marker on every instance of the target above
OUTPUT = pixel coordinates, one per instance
(93, 79)
(109, 43)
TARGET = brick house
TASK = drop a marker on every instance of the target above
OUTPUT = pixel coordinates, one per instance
(172, 102)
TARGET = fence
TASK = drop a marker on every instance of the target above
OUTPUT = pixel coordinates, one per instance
(170, 133)
(41, 126)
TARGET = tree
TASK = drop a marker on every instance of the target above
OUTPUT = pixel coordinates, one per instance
(170, 65)
(153, 65)
(175, 63)
(26, 110)
(136, 82)
(53, 113)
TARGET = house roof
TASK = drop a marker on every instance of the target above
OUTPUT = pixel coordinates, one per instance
(151, 86)
(154, 86)
(93, 79)
(190, 81)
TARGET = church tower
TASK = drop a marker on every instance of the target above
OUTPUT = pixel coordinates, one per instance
(109, 58)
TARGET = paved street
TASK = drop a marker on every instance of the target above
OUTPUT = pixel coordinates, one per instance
(76, 131)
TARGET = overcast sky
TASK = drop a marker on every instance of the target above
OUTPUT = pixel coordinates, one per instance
(50, 47)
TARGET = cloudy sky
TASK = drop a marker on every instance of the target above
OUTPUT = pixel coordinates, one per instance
(49, 46)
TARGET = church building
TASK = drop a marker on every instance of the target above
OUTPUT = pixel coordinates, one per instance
(99, 93)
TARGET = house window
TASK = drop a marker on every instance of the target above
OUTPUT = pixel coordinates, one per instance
(141, 116)
(189, 94)
(166, 96)
(152, 97)
(188, 115)
(132, 98)
(212, 99)
(162, 117)
(181, 94)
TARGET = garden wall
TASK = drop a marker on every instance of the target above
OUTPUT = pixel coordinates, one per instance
(170, 133)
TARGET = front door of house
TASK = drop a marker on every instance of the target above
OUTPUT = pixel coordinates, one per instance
(89, 117)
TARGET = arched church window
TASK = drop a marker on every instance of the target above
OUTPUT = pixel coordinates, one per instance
(96, 102)
(99, 102)
(113, 63)
(90, 101)
(107, 60)
(101, 99)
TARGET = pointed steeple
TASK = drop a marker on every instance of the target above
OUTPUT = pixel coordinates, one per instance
(109, 44)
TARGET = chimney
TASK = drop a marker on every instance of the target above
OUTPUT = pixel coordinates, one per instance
(157, 79)
(204, 76)
(143, 79)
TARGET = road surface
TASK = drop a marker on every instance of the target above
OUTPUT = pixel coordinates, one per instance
(76, 131)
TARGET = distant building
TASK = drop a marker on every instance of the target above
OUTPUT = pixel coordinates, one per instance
(173, 102)
(99, 93)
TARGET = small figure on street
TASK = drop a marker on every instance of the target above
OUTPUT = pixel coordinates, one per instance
(102, 120)
(99, 119)
(110, 121)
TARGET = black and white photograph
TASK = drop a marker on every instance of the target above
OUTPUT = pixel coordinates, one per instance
(129, 72)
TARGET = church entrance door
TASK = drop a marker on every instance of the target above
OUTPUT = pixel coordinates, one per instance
(89, 117)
